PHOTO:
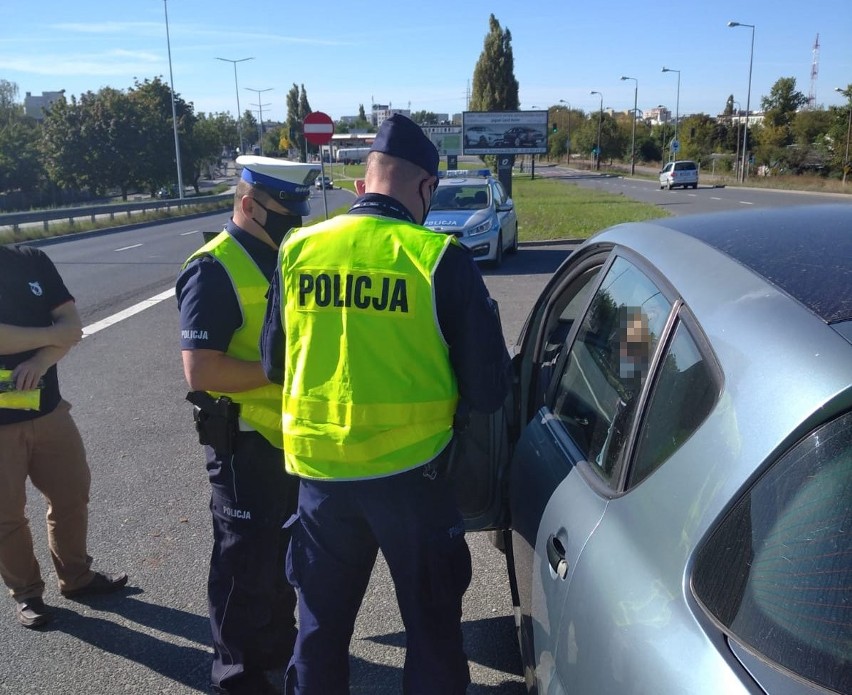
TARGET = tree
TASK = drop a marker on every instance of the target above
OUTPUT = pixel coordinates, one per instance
(297, 108)
(10, 110)
(20, 160)
(779, 108)
(362, 116)
(425, 118)
(494, 85)
(154, 141)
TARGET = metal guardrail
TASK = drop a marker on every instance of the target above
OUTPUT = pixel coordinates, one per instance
(16, 219)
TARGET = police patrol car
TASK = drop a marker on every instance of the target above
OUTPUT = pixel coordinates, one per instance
(474, 207)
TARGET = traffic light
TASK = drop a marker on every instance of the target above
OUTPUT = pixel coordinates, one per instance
(553, 127)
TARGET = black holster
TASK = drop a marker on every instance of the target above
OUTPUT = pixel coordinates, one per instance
(216, 421)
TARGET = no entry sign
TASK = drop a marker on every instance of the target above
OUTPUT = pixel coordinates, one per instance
(318, 128)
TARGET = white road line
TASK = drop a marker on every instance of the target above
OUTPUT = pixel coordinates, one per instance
(194, 231)
(126, 313)
(712, 197)
(746, 202)
(124, 248)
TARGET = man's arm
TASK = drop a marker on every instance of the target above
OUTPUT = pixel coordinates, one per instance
(66, 331)
(211, 370)
(470, 324)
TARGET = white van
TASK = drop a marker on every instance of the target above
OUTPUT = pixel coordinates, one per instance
(679, 173)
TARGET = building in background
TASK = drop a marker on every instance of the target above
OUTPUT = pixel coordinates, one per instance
(35, 106)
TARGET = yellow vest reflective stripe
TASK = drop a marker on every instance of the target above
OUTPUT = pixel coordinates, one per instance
(260, 407)
(368, 386)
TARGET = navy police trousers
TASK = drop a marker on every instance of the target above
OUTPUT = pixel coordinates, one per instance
(340, 527)
(251, 604)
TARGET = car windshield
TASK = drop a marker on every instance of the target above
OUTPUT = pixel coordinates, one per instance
(474, 197)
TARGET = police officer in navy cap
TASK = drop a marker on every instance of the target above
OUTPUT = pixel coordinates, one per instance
(221, 293)
(378, 328)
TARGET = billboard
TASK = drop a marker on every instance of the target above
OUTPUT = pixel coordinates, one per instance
(504, 132)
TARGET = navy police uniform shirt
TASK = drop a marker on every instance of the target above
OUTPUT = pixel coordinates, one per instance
(30, 289)
(209, 308)
(477, 348)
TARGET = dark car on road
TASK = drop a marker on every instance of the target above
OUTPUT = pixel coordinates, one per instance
(671, 478)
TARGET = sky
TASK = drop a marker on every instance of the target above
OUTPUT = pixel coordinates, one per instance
(422, 55)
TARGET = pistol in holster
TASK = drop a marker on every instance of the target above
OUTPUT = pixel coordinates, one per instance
(216, 421)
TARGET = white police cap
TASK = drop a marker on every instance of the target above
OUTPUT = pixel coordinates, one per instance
(287, 182)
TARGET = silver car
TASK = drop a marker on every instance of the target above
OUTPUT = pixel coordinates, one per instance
(675, 465)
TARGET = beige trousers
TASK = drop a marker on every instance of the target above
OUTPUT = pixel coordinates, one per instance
(48, 450)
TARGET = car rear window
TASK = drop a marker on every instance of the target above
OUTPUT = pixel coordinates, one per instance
(777, 572)
(685, 166)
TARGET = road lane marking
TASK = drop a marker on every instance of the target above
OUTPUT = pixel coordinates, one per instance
(133, 246)
(746, 202)
(713, 197)
(194, 231)
(126, 313)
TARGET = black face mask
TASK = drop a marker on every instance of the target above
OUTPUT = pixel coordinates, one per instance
(278, 224)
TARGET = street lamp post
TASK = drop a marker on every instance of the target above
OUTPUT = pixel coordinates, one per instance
(174, 108)
(848, 95)
(260, 106)
(237, 87)
(567, 131)
(737, 158)
(663, 131)
(748, 96)
(600, 120)
(675, 142)
(633, 133)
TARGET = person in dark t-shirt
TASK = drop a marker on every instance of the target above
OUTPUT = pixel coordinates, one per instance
(38, 438)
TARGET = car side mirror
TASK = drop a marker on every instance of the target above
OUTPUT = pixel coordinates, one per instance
(506, 207)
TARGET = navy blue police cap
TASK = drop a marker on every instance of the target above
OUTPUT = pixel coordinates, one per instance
(401, 137)
(287, 182)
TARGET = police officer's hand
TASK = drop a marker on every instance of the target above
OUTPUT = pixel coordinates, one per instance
(27, 374)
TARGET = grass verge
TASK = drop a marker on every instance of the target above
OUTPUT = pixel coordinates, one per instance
(549, 210)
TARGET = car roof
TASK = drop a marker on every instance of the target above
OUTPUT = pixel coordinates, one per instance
(806, 251)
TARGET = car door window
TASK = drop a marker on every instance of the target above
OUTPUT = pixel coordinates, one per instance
(684, 392)
(607, 365)
(777, 571)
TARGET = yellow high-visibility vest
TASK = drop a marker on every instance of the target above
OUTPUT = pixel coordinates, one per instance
(369, 390)
(260, 407)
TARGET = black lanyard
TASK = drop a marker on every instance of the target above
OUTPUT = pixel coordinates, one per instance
(384, 206)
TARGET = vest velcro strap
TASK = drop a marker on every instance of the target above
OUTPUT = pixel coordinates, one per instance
(360, 414)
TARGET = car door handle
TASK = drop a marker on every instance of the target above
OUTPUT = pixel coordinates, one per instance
(556, 556)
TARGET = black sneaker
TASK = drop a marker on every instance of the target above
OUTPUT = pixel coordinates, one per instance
(31, 612)
(102, 583)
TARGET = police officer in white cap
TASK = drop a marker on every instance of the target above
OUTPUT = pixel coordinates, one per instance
(221, 296)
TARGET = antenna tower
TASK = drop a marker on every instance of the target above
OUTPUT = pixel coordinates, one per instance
(814, 73)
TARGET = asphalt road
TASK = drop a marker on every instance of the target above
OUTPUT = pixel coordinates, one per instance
(681, 201)
(149, 495)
